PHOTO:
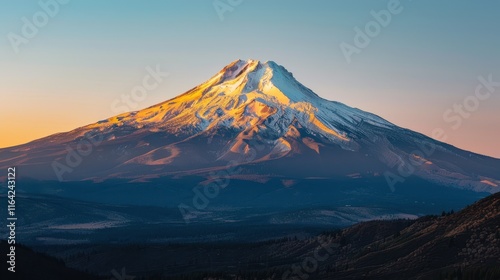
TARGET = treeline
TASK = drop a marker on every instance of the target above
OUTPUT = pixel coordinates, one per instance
(471, 273)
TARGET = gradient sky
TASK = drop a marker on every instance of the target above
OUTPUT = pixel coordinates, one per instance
(423, 62)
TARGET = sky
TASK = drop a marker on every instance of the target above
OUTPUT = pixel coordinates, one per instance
(415, 68)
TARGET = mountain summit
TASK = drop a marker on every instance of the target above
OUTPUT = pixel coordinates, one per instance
(247, 95)
(250, 97)
(257, 116)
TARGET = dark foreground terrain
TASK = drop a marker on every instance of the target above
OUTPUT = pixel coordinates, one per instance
(463, 245)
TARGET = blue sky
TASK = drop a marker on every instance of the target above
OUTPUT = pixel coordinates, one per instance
(90, 53)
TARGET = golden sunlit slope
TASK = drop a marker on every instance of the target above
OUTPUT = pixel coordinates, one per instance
(251, 112)
(242, 95)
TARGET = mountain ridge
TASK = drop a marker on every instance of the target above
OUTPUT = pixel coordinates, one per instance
(460, 245)
(251, 108)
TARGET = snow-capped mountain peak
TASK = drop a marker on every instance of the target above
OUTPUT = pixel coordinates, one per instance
(247, 95)
(258, 108)
(254, 75)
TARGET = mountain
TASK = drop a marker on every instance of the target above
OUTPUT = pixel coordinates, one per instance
(254, 115)
(247, 161)
(254, 144)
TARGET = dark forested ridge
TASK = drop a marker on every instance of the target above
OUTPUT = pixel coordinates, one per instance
(462, 245)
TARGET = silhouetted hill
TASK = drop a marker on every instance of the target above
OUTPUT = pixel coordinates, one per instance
(466, 242)
(463, 245)
(37, 266)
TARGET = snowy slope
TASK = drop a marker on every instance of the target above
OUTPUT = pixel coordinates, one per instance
(253, 113)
